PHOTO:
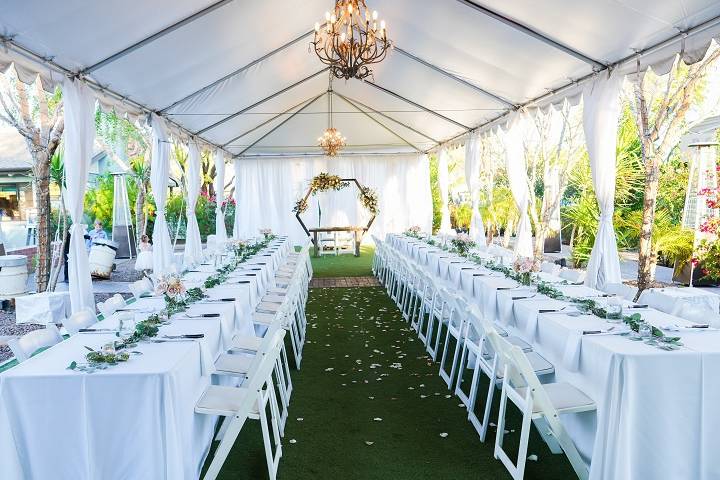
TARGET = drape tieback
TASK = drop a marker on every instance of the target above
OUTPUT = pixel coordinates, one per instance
(606, 217)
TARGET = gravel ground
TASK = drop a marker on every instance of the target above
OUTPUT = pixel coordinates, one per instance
(124, 272)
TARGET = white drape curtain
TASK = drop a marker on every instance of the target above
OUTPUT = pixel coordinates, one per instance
(79, 106)
(159, 174)
(268, 189)
(518, 179)
(220, 231)
(473, 149)
(444, 186)
(193, 244)
(601, 111)
(238, 232)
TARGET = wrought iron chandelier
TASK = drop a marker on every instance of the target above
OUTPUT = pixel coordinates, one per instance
(351, 39)
(331, 140)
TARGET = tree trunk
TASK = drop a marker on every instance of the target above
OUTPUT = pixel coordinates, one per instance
(59, 262)
(540, 234)
(41, 167)
(140, 224)
(645, 253)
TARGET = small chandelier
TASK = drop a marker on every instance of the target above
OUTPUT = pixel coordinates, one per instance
(331, 140)
(351, 39)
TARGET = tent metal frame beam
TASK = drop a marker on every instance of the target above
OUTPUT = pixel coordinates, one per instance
(367, 107)
(260, 102)
(533, 33)
(309, 154)
(239, 70)
(35, 57)
(416, 105)
(630, 58)
(270, 120)
(452, 76)
(154, 36)
(393, 132)
(279, 125)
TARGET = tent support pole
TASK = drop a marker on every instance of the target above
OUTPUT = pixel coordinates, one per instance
(280, 124)
(155, 36)
(442, 71)
(260, 102)
(267, 121)
(386, 116)
(533, 33)
(239, 70)
(416, 105)
(379, 123)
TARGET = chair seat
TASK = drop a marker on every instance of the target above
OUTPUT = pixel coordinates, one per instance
(519, 342)
(565, 398)
(233, 364)
(273, 298)
(266, 307)
(225, 401)
(249, 343)
(263, 318)
(538, 364)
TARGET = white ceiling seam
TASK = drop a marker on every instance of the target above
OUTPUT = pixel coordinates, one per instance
(470, 66)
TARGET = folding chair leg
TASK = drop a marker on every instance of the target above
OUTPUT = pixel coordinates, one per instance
(223, 450)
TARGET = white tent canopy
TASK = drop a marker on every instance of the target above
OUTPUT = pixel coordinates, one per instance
(233, 72)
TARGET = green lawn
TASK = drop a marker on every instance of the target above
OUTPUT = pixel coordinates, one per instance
(344, 265)
(369, 404)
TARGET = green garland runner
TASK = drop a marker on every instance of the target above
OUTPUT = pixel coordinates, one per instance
(588, 305)
(149, 328)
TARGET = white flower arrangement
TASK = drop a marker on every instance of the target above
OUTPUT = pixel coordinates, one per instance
(462, 243)
(525, 265)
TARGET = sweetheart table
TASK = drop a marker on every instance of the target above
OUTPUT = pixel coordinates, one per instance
(657, 415)
(134, 420)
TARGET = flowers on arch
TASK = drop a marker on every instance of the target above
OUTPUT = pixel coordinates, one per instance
(325, 182)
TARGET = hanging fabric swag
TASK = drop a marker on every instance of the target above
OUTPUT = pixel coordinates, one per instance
(159, 174)
(472, 178)
(518, 179)
(193, 243)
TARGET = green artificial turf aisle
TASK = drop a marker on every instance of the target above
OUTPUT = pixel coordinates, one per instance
(347, 265)
(369, 404)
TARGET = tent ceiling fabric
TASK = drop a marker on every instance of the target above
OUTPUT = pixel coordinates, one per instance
(234, 72)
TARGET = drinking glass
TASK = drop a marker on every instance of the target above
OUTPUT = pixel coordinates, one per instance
(614, 310)
(645, 330)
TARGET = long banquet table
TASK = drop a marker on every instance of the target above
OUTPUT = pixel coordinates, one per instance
(135, 420)
(658, 411)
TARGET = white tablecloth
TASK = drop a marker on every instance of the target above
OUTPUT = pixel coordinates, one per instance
(42, 308)
(135, 420)
(657, 415)
(674, 299)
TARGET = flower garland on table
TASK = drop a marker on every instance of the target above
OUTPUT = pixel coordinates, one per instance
(177, 299)
(414, 232)
(522, 273)
(462, 244)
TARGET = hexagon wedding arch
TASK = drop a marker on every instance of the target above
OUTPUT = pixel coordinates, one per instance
(324, 182)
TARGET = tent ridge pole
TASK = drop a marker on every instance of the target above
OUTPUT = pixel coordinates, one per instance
(260, 102)
(238, 71)
(533, 33)
(270, 120)
(380, 123)
(280, 124)
(387, 116)
(417, 105)
(155, 36)
(452, 76)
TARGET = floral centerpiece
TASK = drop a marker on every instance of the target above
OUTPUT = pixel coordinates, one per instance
(413, 231)
(524, 267)
(462, 244)
(170, 285)
(266, 232)
(239, 247)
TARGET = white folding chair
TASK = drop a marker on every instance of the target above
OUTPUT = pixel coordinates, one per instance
(78, 320)
(25, 346)
(478, 345)
(141, 287)
(542, 404)
(111, 305)
(573, 276)
(550, 267)
(625, 291)
(454, 338)
(236, 405)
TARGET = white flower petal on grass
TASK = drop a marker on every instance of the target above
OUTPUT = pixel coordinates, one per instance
(292, 440)
(300, 419)
(533, 458)
(368, 443)
(377, 419)
(443, 435)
